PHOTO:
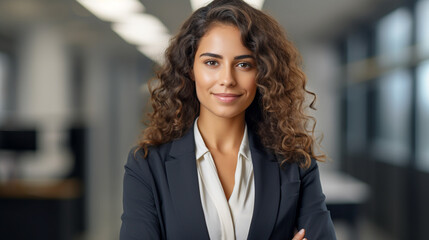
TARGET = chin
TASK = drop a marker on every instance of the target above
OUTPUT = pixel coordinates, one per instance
(228, 114)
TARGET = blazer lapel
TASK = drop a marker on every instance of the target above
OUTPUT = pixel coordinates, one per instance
(267, 190)
(182, 178)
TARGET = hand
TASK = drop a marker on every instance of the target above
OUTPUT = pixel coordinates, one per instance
(299, 235)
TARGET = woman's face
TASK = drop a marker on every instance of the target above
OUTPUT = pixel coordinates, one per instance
(224, 73)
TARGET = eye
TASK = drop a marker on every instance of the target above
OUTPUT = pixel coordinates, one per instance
(245, 65)
(211, 63)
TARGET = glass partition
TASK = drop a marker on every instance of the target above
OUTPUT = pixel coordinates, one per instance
(422, 16)
(422, 118)
(392, 117)
(393, 37)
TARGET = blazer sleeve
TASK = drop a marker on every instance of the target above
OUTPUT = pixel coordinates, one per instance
(313, 215)
(140, 217)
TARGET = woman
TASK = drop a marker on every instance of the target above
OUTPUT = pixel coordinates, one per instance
(227, 153)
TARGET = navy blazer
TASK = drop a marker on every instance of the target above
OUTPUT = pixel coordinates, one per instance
(161, 196)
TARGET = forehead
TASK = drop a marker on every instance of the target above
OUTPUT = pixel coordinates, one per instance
(222, 39)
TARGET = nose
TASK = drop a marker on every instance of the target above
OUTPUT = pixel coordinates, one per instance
(227, 78)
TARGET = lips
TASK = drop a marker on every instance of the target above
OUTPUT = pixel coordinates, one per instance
(226, 97)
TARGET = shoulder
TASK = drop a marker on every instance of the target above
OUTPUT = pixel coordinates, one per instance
(310, 176)
(158, 155)
(137, 156)
(139, 165)
(311, 169)
(294, 171)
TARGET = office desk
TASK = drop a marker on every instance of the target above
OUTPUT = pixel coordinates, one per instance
(39, 210)
(345, 197)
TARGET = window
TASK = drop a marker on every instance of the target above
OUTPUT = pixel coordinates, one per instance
(394, 33)
(422, 15)
(392, 113)
(422, 117)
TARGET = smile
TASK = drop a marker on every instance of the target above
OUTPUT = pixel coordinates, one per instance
(226, 97)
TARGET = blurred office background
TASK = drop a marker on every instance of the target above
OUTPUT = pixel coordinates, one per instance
(73, 93)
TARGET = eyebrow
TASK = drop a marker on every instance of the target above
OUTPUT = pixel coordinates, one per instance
(220, 57)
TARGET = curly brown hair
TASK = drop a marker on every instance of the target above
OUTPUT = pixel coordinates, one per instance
(277, 114)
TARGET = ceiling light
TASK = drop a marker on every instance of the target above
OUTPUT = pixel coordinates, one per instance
(141, 29)
(130, 23)
(155, 52)
(195, 4)
(112, 10)
(258, 4)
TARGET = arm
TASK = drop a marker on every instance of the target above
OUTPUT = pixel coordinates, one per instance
(140, 218)
(313, 215)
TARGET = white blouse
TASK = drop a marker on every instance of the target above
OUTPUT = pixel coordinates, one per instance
(226, 219)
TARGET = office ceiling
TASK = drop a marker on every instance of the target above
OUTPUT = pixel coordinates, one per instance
(304, 20)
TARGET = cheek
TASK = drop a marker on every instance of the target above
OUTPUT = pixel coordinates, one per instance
(200, 83)
(198, 89)
(251, 86)
(204, 79)
(252, 91)
(202, 86)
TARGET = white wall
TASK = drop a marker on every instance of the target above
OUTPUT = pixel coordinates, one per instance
(322, 67)
(113, 109)
(43, 99)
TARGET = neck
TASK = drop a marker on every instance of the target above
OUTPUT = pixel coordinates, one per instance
(222, 134)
